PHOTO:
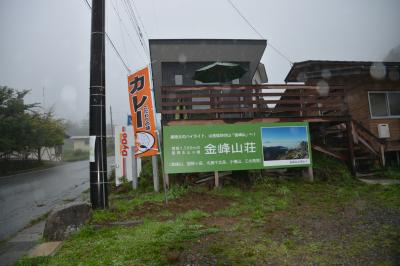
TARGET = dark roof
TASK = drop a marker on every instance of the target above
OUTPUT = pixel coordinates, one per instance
(322, 69)
(206, 41)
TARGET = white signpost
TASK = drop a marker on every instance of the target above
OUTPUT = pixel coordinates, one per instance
(124, 141)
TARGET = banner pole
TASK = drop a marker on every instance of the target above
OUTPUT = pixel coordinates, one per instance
(134, 169)
(162, 168)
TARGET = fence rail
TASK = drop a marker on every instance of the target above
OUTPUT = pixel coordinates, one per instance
(229, 101)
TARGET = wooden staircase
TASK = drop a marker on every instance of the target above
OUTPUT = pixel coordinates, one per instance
(352, 143)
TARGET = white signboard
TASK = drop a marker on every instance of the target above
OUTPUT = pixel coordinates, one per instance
(123, 154)
(92, 147)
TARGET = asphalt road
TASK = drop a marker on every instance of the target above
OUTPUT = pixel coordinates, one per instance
(24, 197)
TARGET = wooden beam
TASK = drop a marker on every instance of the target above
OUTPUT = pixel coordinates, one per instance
(168, 95)
(337, 108)
(228, 102)
(323, 150)
(246, 87)
(366, 144)
(352, 162)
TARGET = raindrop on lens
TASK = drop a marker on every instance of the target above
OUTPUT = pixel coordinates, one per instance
(326, 74)
(323, 88)
(378, 71)
(182, 58)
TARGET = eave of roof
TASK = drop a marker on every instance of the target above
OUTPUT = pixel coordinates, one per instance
(313, 68)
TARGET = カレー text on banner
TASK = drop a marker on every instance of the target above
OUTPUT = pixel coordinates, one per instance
(142, 110)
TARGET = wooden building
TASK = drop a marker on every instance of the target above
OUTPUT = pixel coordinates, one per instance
(328, 106)
(372, 96)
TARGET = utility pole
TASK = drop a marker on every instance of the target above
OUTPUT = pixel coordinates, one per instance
(97, 110)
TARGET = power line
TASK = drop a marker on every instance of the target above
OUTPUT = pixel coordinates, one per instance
(132, 17)
(127, 32)
(112, 44)
(259, 34)
(118, 54)
(140, 19)
(122, 35)
(87, 3)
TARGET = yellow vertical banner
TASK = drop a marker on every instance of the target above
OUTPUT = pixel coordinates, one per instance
(143, 115)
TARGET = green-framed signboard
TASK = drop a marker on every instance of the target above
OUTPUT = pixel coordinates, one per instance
(244, 146)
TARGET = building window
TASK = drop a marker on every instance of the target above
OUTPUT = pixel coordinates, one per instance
(178, 80)
(384, 104)
(394, 103)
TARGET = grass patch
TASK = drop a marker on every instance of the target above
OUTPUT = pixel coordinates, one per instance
(193, 215)
(146, 244)
(244, 251)
(330, 169)
(122, 205)
(273, 222)
(78, 155)
(69, 200)
(33, 261)
(384, 195)
(230, 191)
(259, 201)
(138, 198)
(389, 173)
(103, 216)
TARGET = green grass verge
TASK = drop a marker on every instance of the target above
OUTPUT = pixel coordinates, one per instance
(251, 240)
(120, 207)
(145, 244)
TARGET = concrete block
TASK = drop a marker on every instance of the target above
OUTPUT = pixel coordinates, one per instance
(65, 220)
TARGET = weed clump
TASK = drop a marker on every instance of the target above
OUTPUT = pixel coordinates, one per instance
(330, 170)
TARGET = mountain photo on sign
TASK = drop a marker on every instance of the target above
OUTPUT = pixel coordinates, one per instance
(287, 145)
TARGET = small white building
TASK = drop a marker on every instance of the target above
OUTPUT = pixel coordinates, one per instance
(82, 142)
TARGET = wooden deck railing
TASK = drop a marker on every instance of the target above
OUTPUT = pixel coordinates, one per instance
(239, 101)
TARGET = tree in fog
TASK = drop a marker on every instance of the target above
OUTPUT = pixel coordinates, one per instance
(23, 129)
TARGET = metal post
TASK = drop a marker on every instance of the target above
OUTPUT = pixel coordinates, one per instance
(216, 179)
(134, 169)
(164, 175)
(383, 159)
(112, 125)
(166, 178)
(310, 174)
(156, 179)
(97, 111)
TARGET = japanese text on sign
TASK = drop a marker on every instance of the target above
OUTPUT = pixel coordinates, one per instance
(143, 119)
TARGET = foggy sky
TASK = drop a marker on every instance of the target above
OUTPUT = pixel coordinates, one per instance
(46, 43)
